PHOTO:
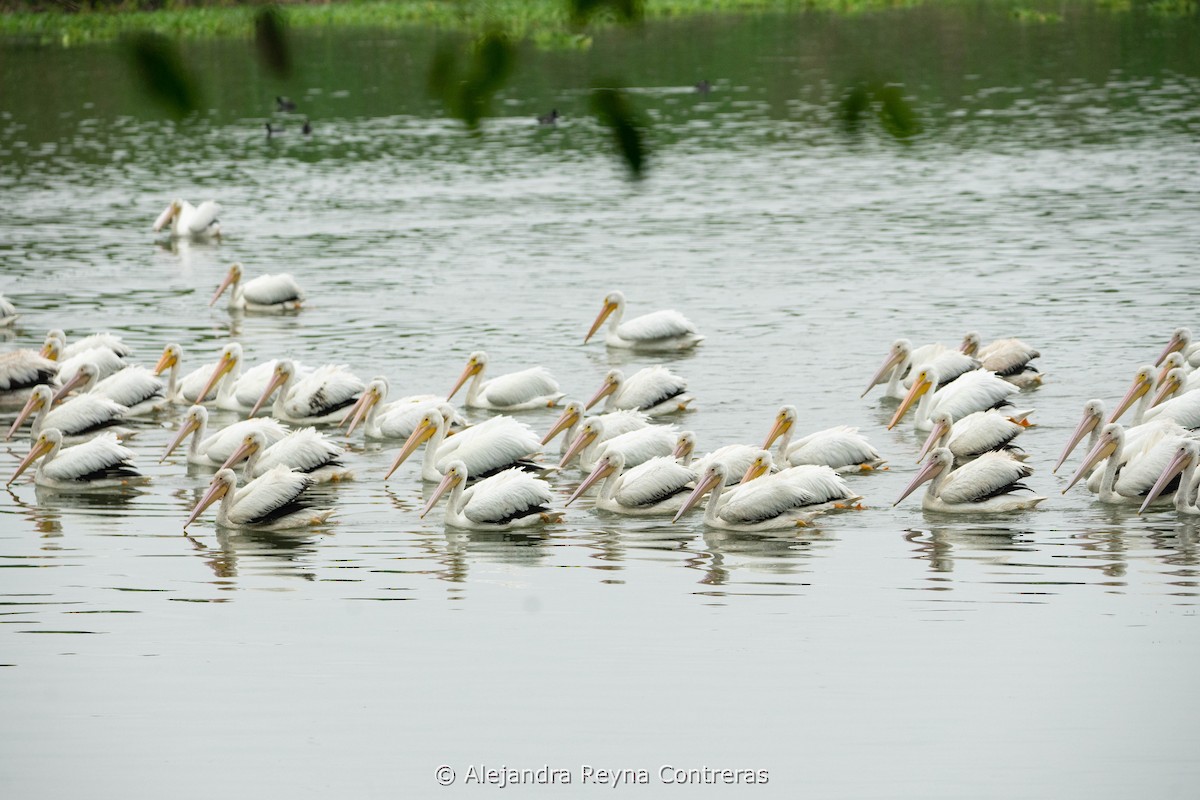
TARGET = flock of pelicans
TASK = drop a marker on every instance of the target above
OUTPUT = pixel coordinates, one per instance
(82, 399)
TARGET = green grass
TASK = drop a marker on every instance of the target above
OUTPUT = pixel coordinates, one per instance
(543, 20)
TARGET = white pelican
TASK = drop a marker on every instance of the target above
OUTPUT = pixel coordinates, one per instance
(79, 416)
(842, 448)
(1183, 395)
(134, 387)
(103, 341)
(1126, 478)
(737, 458)
(974, 434)
(269, 293)
(322, 396)
(1009, 358)
(98, 464)
(393, 420)
(984, 485)
(1183, 464)
(8, 313)
(212, 450)
(658, 330)
(305, 450)
(237, 390)
(824, 489)
(1181, 342)
(106, 361)
(184, 390)
(190, 222)
(516, 391)
(759, 505)
(615, 423)
(1093, 419)
(1184, 409)
(1189, 376)
(491, 448)
(505, 501)
(637, 446)
(975, 391)
(903, 361)
(20, 371)
(274, 501)
(654, 391)
(653, 488)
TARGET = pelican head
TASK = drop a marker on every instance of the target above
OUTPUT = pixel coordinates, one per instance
(1180, 339)
(613, 302)
(456, 473)
(1172, 361)
(939, 461)
(39, 398)
(423, 432)
(252, 443)
(970, 344)
(571, 414)
(284, 370)
(1185, 455)
(172, 354)
(1112, 438)
(762, 465)
(1144, 381)
(195, 419)
(943, 424)
(609, 464)
(1093, 416)
(231, 354)
(232, 278)
(591, 430)
(46, 442)
(476, 364)
(376, 391)
(685, 447)
(926, 380)
(611, 385)
(222, 483)
(53, 345)
(785, 420)
(714, 476)
(84, 377)
(169, 213)
(1169, 385)
(899, 352)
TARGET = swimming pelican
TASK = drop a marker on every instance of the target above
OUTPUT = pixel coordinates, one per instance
(490, 450)
(760, 505)
(637, 446)
(1177, 386)
(737, 458)
(269, 293)
(305, 450)
(975, 391)
(1190, 375)
(106, 361)
(99, 464)
(516, 391)
(841, 448)
(658, 330)
(1184, 409)
(1093, 419)
(319, 397)
(190, 222)
(653, 488)
(8, 313)
(237, 390)
(1126, 479)
(654, 391)
(903, 361)
(134, 387)
(824, 489)
(984, 485)
(1008, 358)
(271, 502)
(20, 371)
(77, 417)
(615, 423)
(1181, 342)
(212, 450)
(186, 390)
(103, 341)
(505, 501)
(1183, 464)
(974, 434)
(393, 420)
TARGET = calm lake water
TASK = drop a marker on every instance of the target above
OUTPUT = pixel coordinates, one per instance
(887, 653)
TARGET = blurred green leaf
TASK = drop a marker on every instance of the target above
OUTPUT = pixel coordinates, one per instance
(854, 105)
(895, 113)
(615, 112)
(270, 38)
(442, 71)
(582, 11)
(159, 68)
(493, 59)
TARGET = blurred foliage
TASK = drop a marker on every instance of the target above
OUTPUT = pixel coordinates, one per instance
(490, 64)
(156, 62)
(270, 37)
(583, 11)
(890, 107)
(613, 109)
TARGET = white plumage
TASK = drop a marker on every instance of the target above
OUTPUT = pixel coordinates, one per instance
(102, 341)
(104, 360)
(266, 293)
(975, 391)
(1183, 407)
(655, 487)
(637, 446)
(393, 420)
(1011, 359)
(8, 313)
(736, 458)
(1183, 465)
(78, 416)
(273, 501)
(212, 450)
(759, 505)
(659, 330)
(515, 391)
(99, 464)
(508, 500)
(903, 362)
(322, 396)
(185, 390)
(1181, 342)
(484, 450)
(305, 450)
(987, 484)
(615, 423)
(238, 390)
(20, 371)
(973, 435)
(654, 391)
(841, 448)
(1127, 477)
(190, 222)
(134, 387)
